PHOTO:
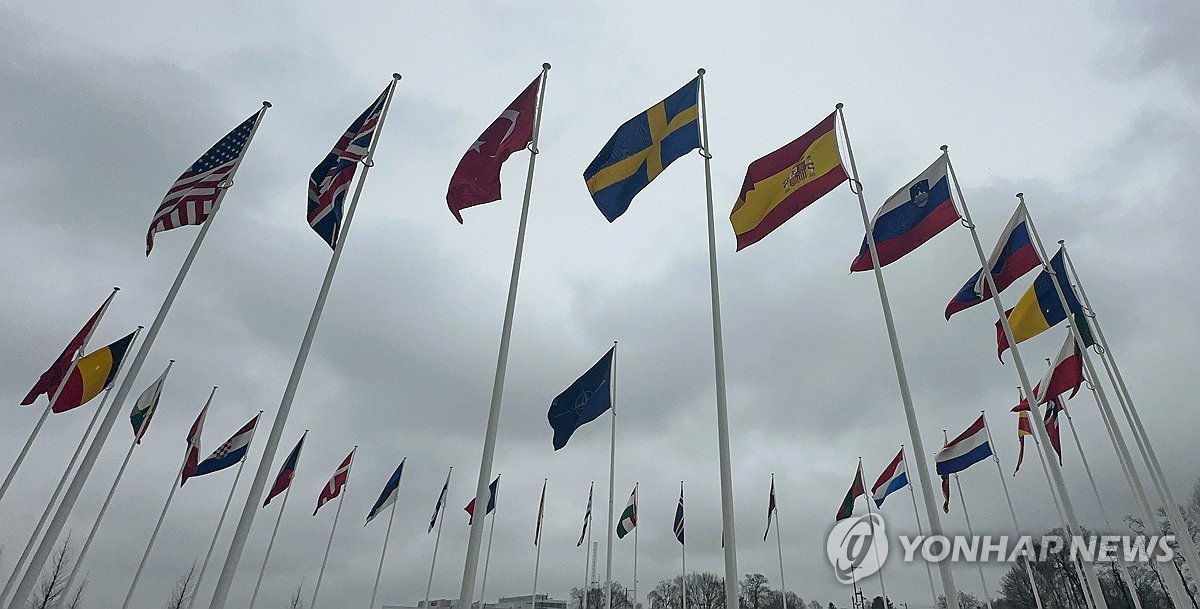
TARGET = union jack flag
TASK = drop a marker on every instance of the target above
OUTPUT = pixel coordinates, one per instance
(190, 199)
(331, 179)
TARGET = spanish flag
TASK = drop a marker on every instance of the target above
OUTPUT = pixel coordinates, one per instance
(779, 185)
(92, 373)
(1039, 309)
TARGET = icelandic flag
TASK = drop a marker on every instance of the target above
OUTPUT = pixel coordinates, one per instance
(390, 492)
(283, 480)
(969, 448)
(231, 452)
(586, 399)
(910, 217)
(893, 478)
(1013, 257)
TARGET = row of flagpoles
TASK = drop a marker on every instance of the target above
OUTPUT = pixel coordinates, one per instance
(776, 187)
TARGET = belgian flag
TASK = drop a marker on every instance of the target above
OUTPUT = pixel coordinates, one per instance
(92, 373)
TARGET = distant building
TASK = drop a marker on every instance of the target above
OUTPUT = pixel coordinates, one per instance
(507, 602)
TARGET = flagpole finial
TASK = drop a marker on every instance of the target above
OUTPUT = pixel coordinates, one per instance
(1062, 241)
(116, 288)
(945, 148)
(266, 104)
(1021, 195)
(700, 71)
(171, 361)
(838, 105)
(396, 76)
(140, 327)
(546, 65)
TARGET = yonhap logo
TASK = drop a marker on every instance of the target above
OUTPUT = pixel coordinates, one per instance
(857, 547)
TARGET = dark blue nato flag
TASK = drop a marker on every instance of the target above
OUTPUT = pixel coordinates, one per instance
(587, 398)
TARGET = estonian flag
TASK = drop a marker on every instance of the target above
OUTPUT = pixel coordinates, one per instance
(387, 497)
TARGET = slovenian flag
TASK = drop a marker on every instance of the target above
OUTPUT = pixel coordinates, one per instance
(912, 216)
(231, 452)
(1013, 257)
(390, 492)
(893, 478)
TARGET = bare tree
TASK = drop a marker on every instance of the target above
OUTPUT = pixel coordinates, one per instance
(52, 592)
(295, 602)
(185, 587)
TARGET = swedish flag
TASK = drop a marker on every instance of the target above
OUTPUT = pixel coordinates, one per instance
(642, 148)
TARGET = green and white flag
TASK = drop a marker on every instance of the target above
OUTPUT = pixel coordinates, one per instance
(143, 409)
(629, 516)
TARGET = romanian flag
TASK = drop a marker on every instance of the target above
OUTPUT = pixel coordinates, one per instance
(92, 373)
(779, 185)
(858, 488)
(642, 148)
(1039, 309)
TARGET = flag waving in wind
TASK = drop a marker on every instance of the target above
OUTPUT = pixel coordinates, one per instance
(283, 480)
(231, 452)
(771, 510)
(1013, 257)
(918, 211)
(49, 381)
(968, 448)
(587, 516)
(330, 180)
(146, 404)
(191, 198)
(537, 533)
(192, 458)
(92, 374)
(493, 489)
(388, 495)
(1039, 308)
(441, 501)
(893, 478)
(857, 489)
(628, 516)
(586, 399)
(1023, 429)
(679, 516)
(337, 482)
(476, 180)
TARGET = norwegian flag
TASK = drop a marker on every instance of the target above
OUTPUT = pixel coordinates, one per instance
(334, 487)
(192, 459)
(330, 180)
(190, 199)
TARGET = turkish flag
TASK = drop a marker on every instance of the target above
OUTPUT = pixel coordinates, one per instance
(476, 180)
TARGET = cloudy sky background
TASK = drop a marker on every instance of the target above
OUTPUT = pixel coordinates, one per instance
(1090, 110)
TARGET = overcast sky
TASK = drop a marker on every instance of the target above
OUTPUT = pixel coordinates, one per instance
(1089, 108)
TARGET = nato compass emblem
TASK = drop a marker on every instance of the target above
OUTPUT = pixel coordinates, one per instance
(920, 193)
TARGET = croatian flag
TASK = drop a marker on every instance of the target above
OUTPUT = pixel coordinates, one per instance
(894, 478)
(969, 448)
(231, 452)
(912, 216)
(1013, 257)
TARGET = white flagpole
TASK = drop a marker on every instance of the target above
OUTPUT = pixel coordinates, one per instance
(62, 482)
(270, 544)
(107, 500)
(25, 588)
(982, 581)
(486, 560)
(437, 541)
(635, 552)
(1037, 597)
(471, 565)
(587, 582)
(250, 509)
(1135, 422)
(217, 533)
(137, 575)
(683, 578)
(37, 428)
(612, 476)
(1179, 589)
(727, 520)
(325, 560)
(910, 413)
(779, 549)
(537, 561)
(1036, 412)
(382, 554)
(917, 515)
(870, 500)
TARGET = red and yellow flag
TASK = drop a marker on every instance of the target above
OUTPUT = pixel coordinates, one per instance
(779, 185)
(91, 374)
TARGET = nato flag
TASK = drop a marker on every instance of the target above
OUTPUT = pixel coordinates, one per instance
(587, 398)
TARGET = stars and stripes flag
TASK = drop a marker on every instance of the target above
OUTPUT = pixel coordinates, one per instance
(191, 198)
(587, 517)
(679, 516)
(537, 534)
(771, 510)
(334, 487)
(330, 180)
(437, 509)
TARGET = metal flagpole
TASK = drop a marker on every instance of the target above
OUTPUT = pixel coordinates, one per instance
(982, 581)
(683, 579)
(917, 515)
(1181, 598)
(910, 414)
(217, 533)
(728, 532)
(882, 585)
(587, 583)
(37, 428)
(486, 560)
(270, 544)
(62, 482)
(238, 543)
(25, 588)
(107, 500)
(336, 515)
(1124, 571)
(1135, 423)
(1037, 597)
(382, 554)
(175, 483)
(537, 561)
(471, 565)
(612, 476)
(1038, 424)
(437, 540)
(779, 549)
(635, 552)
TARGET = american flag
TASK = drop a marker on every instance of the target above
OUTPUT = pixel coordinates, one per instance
(329, 181)
(191, 197)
